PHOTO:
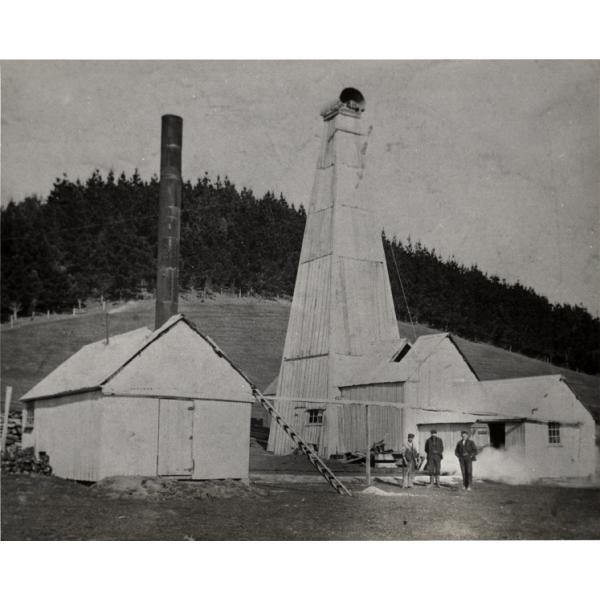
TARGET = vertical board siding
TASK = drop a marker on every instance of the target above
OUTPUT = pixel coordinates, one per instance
(307, 378)
(322, 191)
(363, 309)
(317, 235)
(356, 234)
(308, 326)
(129, 436)
(514, 435)
(175, 425)
(67, 429)
(342, 299)
(221, 445)
(385, 422)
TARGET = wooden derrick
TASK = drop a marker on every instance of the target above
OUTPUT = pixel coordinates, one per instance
(342, 307)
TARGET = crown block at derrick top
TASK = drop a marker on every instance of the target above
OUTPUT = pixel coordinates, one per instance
(348, 122)
(341, 146)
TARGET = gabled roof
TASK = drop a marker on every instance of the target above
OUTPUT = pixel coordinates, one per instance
(97, 365)
(493, 363)
(358, 370)
(387, 371)
(530, 397)
(90, 366)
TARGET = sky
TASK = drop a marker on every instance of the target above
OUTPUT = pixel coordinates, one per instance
(493, 162)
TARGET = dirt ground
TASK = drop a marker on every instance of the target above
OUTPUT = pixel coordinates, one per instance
(48, 508)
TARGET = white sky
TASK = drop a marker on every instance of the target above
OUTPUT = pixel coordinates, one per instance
(494, 162)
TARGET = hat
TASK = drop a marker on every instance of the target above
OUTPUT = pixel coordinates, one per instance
(411, 435)
(433, 431)
(464, 432)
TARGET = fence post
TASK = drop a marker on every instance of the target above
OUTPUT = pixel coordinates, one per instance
(6, 412)
(368, 454)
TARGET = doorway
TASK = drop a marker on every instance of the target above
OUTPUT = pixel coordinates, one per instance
(175, 427)
(497, 435)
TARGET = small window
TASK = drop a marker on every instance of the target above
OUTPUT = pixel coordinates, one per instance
(402, 353)
(29, 417)
(315, 416)
(554, 433)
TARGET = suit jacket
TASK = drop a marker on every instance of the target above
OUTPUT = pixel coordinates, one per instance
(466, 450)
(434, 446)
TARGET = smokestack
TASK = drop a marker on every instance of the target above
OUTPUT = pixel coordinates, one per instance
(167, 274)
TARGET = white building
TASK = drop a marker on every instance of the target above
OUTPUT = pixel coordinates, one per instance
(155, 403)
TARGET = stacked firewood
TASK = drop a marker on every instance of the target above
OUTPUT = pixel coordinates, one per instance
(13, 436)
(17, 460)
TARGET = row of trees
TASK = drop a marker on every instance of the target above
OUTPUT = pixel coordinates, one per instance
(449, 296)
(98, 238)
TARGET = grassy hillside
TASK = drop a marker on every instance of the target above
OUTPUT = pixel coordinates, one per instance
(251, 331)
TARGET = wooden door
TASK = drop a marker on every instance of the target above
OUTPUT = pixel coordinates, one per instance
(175, 437)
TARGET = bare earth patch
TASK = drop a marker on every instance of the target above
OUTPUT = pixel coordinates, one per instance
(47, 508)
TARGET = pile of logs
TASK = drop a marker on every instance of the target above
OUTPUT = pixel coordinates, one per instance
(13, 436)
(16, 460)
(21, 460)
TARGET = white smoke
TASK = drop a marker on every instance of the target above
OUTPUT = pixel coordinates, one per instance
(505, 466)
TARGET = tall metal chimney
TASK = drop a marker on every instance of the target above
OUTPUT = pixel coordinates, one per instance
(167, 274)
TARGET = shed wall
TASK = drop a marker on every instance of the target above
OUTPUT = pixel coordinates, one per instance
(129, 436)
(385, 422)
(68, 430)
(221, 444)
(436, 373)
(567, 459)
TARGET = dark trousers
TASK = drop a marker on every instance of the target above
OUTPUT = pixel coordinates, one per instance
(466, 467)
(434, 463)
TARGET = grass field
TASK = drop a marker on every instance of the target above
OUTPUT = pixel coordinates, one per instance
(250, 331)
(48, 508)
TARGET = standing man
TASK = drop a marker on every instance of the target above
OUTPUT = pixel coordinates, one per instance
(434, 448)
(466, 452)
(411, 459)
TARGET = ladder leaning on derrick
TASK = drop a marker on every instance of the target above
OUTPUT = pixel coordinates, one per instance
(312, 456)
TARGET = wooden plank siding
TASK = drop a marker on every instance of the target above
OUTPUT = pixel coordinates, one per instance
(68, 430)
(129, 436)
(514, 435)
(309, 323)
(221, 440)
(342, 305)
(175, 428)
(385, 424)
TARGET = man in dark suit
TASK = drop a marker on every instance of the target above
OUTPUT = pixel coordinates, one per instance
(434, 448)
(466, 452)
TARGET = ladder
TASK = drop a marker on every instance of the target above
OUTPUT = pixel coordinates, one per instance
(312, 456)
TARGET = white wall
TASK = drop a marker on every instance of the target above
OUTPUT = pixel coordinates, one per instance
(68, 430)
(221, 446)
(129, 436)
(570, 458)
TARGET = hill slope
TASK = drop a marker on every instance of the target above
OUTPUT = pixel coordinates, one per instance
(252, 334)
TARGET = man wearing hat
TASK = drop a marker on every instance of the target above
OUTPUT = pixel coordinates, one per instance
(434, 448)
(466, 451)
(411, 458)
